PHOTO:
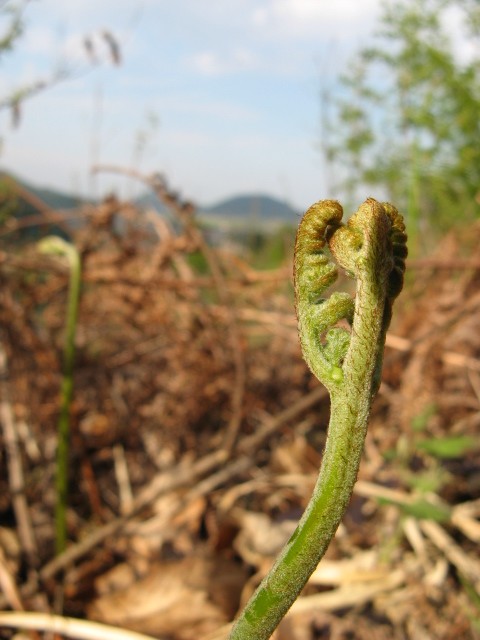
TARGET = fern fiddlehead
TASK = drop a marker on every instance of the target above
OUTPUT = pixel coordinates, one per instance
(371, 247)
(56, 246)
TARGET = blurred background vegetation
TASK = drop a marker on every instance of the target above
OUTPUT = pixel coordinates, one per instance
(407, 122)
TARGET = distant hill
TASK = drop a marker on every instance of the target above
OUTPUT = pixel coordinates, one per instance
(58, 200)
(253, 207)
(52, 198)
(249, 208)
(238, 211)
(24, 202)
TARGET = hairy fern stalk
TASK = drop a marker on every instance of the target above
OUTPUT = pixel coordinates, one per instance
(370, 247)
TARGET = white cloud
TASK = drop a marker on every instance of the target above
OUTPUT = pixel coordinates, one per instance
(93, 12)
(39, 40)
(211, 63)
(207, 63)
(297, 18)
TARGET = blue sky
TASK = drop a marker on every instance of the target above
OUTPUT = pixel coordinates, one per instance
(220, 95)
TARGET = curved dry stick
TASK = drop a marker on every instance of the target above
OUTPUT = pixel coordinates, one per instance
(184, 210)
(371, 247)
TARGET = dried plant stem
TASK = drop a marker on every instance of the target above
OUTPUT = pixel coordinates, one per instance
(371, 247)
(68, 627)
(15, 467)
(180, 476)
(185, 210)
(56, 246)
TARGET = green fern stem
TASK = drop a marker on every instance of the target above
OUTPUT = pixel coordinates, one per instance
(371, 247)
(57, 246)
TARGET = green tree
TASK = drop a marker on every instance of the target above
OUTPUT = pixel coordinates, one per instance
(407, 120)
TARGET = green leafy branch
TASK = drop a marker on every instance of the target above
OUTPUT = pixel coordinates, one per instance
(371, 247)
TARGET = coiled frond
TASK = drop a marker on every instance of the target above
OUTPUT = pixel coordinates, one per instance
(372, 241)
(371, 248)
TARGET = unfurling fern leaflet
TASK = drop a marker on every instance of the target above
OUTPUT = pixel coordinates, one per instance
(372, 241)
(370, 247)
